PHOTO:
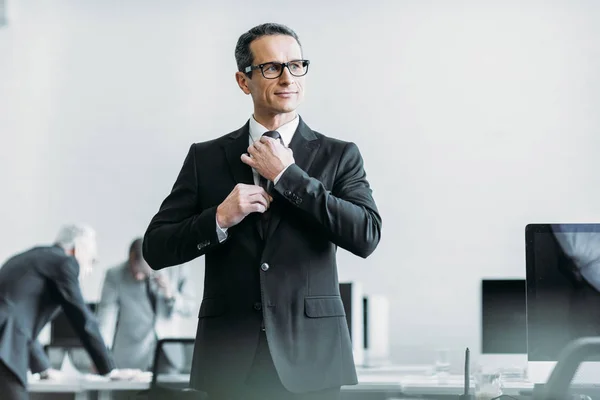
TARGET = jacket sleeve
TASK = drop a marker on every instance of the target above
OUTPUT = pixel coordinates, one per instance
(348, 213)
(182, 229)
(38, 361)
(80, 316)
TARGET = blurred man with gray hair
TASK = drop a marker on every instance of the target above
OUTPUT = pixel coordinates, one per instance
(139, 306)
(33, 286)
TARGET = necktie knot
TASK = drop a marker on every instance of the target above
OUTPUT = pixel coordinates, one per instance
(274, 135)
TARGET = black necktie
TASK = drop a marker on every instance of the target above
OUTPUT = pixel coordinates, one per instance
(264, 183)
(151, 294)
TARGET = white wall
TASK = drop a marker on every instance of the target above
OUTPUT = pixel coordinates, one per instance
(474, 118)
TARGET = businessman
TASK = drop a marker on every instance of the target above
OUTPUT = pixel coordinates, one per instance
(33, 286)
(139, 306)
(268, 205)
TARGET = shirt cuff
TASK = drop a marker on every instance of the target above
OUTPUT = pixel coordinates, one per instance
(221, 232)
(279, 176)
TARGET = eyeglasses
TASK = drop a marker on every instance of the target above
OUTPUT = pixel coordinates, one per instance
(273, 70)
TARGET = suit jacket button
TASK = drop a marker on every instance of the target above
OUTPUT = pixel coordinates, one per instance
(287, 193)
(264, 266)
(257, 306)
(200, 246)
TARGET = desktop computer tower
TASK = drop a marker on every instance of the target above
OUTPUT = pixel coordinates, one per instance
(376, 331)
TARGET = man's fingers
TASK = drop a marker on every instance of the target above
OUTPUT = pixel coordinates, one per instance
(246, 159)
(249, 190)
(256, 206)
(266, 140)
(260, 198)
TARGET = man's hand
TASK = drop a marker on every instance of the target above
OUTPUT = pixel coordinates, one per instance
(51, 374)
(124, 374)
(162, 281)
(243, 200)
(268, 157)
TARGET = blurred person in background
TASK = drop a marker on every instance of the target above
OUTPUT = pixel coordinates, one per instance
(138, 306)
(33, 286)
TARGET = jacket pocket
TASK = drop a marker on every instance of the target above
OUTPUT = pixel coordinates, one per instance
(211, 307)
(324, 306)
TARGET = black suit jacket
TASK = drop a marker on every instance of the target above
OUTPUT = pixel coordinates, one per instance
(33, 285)
(288, 276)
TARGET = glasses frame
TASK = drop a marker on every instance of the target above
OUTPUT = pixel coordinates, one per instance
(251, 68)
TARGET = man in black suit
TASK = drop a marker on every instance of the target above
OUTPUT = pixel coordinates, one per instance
(272, 323)
(33, 285)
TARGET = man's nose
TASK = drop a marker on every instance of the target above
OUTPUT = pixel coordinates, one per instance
(286, 76)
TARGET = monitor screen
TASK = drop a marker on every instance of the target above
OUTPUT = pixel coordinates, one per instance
(62, 333)
(503, 316)
(563, 282)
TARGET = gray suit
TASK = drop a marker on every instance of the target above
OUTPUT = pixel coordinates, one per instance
(129, 323)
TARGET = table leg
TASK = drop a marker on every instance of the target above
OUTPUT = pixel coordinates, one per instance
(104, 395)
(84, 395)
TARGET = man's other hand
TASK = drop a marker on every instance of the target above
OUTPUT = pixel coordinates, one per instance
(124, 374)
(51, 374)
(268, 157)
(243, 200)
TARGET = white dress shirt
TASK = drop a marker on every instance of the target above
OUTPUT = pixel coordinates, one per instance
(256, 131)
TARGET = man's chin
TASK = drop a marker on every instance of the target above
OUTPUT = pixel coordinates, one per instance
(287, 108)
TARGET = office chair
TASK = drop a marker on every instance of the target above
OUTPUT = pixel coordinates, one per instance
(170, 389)
(576, 352)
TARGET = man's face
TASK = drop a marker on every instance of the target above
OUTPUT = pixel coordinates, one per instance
(86, 253)
(274, 96)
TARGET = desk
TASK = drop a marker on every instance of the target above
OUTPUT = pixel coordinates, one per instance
(381, 383)
(452, 385)
(432, 385)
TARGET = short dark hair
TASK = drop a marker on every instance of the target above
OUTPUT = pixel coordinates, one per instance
(243, 55)
(135, 250)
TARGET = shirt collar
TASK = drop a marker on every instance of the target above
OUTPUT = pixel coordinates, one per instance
(286, 130)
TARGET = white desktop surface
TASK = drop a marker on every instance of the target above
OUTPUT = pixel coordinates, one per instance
(71, 385)
(417, 369)
(433, 385)
(380, 381)
(101, 383)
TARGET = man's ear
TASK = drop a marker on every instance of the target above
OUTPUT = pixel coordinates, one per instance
(242, 81)
(71, 252)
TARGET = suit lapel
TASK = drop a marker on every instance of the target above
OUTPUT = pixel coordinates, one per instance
(242, 173)
(304, 144)
(237, 145)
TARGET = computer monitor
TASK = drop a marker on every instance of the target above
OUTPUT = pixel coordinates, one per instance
(65, 344)
(503, 316)
(62, 333)
(352, 297)
(562, 299)
(503, 325)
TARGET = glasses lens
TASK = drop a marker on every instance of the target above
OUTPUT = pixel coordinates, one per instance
(298, 68)
(271, 70)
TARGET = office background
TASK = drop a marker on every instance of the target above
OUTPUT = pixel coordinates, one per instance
(474, 118)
